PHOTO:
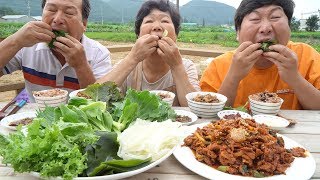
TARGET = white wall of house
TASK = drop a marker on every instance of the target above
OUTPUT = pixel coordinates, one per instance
(38, 18)
(18, 18)
(303, 24)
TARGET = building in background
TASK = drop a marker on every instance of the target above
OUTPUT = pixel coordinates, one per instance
(18, 18)
(304, 17)
(38, 18)
(303, 24)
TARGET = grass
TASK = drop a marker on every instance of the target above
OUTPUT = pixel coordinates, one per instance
(6, 29)
(311, 38)
(193, 34)
(112, 36)
(227, 39)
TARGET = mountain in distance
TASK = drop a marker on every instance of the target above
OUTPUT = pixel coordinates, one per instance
(208, 12)
(124, 11)
(103, 12)
(20, 6)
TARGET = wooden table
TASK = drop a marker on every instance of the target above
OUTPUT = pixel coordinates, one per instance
(306, 132)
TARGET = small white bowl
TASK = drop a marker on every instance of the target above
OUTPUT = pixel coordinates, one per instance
(243, 115)
(258, 107)
(274, 122)
(52, 101)
(16, 117)
(189, 114)
(205, 110)
(169, 100)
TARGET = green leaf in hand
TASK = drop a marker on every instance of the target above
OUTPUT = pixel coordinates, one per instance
(57, 33)
(265, 45)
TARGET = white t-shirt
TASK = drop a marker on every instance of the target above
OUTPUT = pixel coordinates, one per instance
(42, 70)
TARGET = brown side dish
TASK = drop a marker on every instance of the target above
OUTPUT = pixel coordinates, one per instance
(183, 119)
(163, 95)
(232, 116)
(23, 122)
(81, 94)
(242, 147)
(266, 97)
(49, 93)
(208, 98)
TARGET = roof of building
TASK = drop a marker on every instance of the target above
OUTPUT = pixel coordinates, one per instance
(39, 18)
(13, 16)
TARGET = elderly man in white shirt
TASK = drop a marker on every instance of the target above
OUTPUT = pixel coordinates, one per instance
(74, 62)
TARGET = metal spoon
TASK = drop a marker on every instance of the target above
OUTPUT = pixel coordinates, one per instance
(2, 114)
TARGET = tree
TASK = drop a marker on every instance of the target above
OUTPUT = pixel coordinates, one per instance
(312, 23)
(295, 24)
(6, 11)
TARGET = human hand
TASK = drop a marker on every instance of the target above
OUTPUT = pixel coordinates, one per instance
(33, 32)
(286, 60)
(144, 47)
(244, 59)
(71, 49)
(169, 52)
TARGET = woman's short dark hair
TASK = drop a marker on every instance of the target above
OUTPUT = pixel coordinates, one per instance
(247, 6)
(162, 5)
(85, 8)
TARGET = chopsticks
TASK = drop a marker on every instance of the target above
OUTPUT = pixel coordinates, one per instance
(19, 106)
(2, 111)
(7, 106)
(291, 121)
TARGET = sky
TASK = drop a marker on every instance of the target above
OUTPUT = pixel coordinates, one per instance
(302, 6)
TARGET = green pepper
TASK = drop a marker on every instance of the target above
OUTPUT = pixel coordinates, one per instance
(57, 33)
(223, 168)
(257, 174)
(127, 163)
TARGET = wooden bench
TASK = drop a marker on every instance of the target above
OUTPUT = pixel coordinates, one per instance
(183, 51)
(17, 86)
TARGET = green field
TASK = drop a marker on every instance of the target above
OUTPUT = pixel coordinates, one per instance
(194, 34)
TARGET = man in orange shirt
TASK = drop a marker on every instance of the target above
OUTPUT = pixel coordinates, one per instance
(292, 70)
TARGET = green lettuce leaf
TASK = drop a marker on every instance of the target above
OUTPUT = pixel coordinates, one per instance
(150, 107)
(107, 92)
(103, 158)
(129, 115)
(56, 150)
(97, 115)
(119, 166)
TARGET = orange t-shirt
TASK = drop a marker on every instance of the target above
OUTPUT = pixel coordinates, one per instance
(259, 80)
